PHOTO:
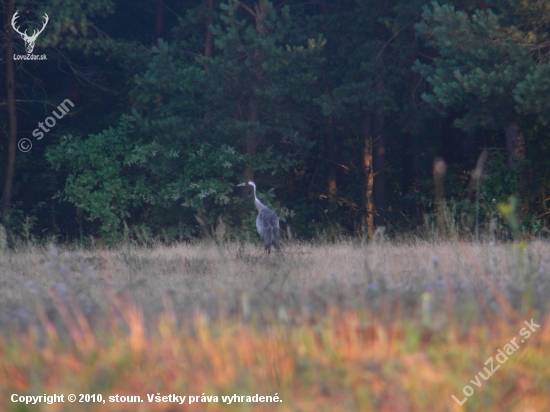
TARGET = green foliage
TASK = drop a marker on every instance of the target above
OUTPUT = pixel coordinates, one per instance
(71, 26)
(16, 228)
(177, 151)
(3, 240)
(532, 95)
(509, 211)
(101, 181)
(500, 182)
(480, 65)
(298, 81)
(490, 65)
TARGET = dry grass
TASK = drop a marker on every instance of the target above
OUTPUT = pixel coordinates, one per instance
(390, 327)
(238, 280)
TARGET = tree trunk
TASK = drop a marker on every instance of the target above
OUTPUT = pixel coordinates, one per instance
(379, 167)
(75, 92)
(515, 143)
(108, 26)
(407, 164)
(260, 11)
(368, 177)
(330, 145)
(251, 140)
(159, 24)
(330, 156)
(9, 172)
(209, 41)
(453, 141)
(159, 19)
(440, 168)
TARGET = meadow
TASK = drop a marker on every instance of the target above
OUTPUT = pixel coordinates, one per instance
(319, 327)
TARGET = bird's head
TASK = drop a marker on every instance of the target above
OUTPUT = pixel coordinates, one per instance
(247, 183)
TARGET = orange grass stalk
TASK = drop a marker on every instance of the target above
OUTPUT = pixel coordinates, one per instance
(345, 362)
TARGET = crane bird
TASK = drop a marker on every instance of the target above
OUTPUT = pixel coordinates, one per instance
(267, 222)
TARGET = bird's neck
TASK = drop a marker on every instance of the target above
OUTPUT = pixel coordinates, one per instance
(257, 202)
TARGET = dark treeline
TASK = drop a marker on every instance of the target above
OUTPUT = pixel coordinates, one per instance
(349, 115)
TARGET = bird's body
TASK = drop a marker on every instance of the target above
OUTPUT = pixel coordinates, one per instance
(267, 222)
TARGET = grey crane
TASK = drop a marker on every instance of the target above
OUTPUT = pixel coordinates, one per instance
(267, 222)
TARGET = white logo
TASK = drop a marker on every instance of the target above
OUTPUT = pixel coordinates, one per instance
(29, 40)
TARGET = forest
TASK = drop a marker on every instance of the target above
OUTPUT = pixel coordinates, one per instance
(352, 116)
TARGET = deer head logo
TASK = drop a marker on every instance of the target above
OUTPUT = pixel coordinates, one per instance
(29, 40)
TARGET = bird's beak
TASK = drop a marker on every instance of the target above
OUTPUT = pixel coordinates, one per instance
(243, 184)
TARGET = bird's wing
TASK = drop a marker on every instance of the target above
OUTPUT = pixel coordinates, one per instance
(259, 224)
(268, 219)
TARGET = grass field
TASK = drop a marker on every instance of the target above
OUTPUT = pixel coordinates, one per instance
(387, 327)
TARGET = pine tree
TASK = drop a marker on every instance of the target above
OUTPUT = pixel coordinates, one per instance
(485, 68)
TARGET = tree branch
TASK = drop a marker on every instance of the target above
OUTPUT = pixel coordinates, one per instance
(248, 9)
(31, 101)
(538, 46)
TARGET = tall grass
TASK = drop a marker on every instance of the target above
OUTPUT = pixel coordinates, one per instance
(344, 362)
(387, 327)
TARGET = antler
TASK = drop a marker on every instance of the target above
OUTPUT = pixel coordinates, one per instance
(25, 35)
(35, 34)
(15, 28)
